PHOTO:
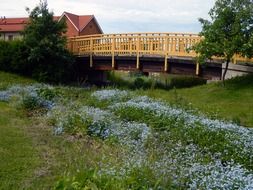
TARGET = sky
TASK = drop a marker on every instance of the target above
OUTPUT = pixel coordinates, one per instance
(118, 16)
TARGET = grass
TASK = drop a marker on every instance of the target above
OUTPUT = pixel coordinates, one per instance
(17, 154)
(8, 79)
(233, 102)
(62, 155)
(33, 157)
(175, 129)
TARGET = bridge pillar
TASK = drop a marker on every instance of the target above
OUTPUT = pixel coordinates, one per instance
(138, 61)
(166, 63)
(197, 69)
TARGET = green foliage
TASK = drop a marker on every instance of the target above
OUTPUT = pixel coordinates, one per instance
(47, 56)
(240, 82)
(8, 79)
(81, 156)
(186, 82)
(5, 58)
(30, 102)
(42, 53)
(229, 32)
(87, 180)
(132, 80)
(49, 93)
(139, 83)
(13, 57)
(139, 179)
(233, 101)
(136, 81)
(197, 135)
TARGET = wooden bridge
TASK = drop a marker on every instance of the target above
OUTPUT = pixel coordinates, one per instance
(148, 52)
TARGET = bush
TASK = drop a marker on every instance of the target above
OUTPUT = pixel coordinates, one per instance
(138, 83)
(42, 53)
(185, 82)
(13, 58)
(31, 102)
(5, 55)
(19, 63)
(48, 93)
(134, 81)
(54, 69)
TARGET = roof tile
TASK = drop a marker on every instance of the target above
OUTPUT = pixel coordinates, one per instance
(80, 21)
(18, 24)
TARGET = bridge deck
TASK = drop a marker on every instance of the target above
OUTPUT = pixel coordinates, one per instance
(184, 66)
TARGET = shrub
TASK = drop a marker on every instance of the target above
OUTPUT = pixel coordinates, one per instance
(13, 57)
(117, 80)
(48, 93)
(136, 80)
(30, 102)
(138, 83)
(5, 55)
(185, 82)
(19, 62)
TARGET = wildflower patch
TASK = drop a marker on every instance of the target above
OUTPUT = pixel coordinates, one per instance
(160, 146)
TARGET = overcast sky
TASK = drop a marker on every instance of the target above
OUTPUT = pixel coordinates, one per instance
(115, 16)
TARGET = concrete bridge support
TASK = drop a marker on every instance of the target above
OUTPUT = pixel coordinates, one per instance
(237, 70)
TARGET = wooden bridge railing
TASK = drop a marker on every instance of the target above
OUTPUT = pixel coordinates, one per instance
(137, 44)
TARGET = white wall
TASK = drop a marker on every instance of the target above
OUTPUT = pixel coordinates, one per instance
(237, 70)
(6, 36)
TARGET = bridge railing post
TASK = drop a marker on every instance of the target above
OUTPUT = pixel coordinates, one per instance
(138, 52)
(166, 53)
(234, 59)
(91, 50)
(130, 39)
(113, 50)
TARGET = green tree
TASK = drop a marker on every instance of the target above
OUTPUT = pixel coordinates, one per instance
(229, 32)
(48, 58)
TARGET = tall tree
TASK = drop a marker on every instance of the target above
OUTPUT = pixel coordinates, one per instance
(48, 58)
(229, 32)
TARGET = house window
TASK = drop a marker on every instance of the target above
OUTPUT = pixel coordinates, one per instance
(10, 37)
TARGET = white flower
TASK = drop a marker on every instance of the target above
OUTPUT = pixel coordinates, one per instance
(113, 95)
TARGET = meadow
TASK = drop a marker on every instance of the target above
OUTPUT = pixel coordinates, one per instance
(110, 138)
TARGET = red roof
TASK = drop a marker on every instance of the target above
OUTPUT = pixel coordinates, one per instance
(12, 24)
(79, 21)
(18, 24)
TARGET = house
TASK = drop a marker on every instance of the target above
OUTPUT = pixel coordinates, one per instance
(81, 25)
(11, 28)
